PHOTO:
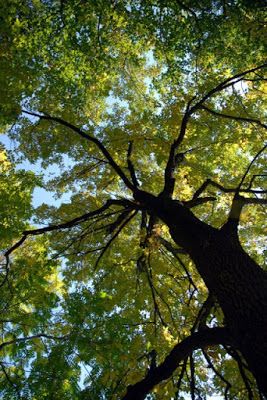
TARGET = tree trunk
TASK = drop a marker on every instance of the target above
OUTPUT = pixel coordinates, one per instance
(239, 284)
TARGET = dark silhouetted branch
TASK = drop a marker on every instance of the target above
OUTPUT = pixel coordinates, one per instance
(234, 117)
(238, 201)
(27, 338)
(173, 251)
(204, 312)
(170, 247)
(198, 201)
(224, 85)
(91, 139)
(217, 373)
(250, 165)
(240, 364)
(9, 380)
(180, 379)
(247, 200)
(253, 179)
(223, 189)
(192, 377)
(130, 165)
(65, 225)
(169, 180)
(119, 229)
(207, 337)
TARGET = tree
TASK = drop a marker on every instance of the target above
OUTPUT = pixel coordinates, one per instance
(148, 279)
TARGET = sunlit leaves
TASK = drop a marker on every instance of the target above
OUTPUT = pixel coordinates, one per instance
(122, 71)
(15, 202)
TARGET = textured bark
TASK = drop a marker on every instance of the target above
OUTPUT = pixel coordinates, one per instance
(239, 284)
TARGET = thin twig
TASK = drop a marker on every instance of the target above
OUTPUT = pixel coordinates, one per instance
(106, 247)
(234, 117)
(216, 372)
(39, 335)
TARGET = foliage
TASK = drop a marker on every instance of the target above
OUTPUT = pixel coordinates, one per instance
(16, 194)
(86, 308)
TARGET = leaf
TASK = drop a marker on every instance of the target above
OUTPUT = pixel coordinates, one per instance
(105, 280)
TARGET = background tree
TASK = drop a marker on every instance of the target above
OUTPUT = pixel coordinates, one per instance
(153, 116)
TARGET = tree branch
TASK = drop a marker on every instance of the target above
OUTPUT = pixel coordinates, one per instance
(223, 189)
(120, 228)
(207, 337)
(7, 254)
(186, 8)
(39, 335)
(240, 364)
(250, 165)
(13, 384)
(239, 201)
(179, 382)
(169, 180)
(253, 178)
(170, 247)
(246, 200)
(234, 117)
(64, 225)
(224, 85)
(216, 372)
(198, 201)
(204, 312)
(130, 165)
(174, 252)
(236, 209)
(90, 138)
(192, 377)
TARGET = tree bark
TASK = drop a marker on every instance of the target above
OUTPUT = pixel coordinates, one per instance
(239, 284)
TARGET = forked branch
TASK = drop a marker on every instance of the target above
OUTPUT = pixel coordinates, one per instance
(225, 84)
(120, 227)
(239, 201)
(198, 340)
(209, 182)
(65, 225)
(91, 139)
(169, 181)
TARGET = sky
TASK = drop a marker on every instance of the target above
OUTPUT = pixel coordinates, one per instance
(40, 195)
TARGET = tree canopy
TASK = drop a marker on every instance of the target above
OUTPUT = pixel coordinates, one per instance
(146, 282)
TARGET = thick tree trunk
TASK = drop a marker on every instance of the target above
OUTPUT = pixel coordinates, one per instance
(241, 289)
(239, 284)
